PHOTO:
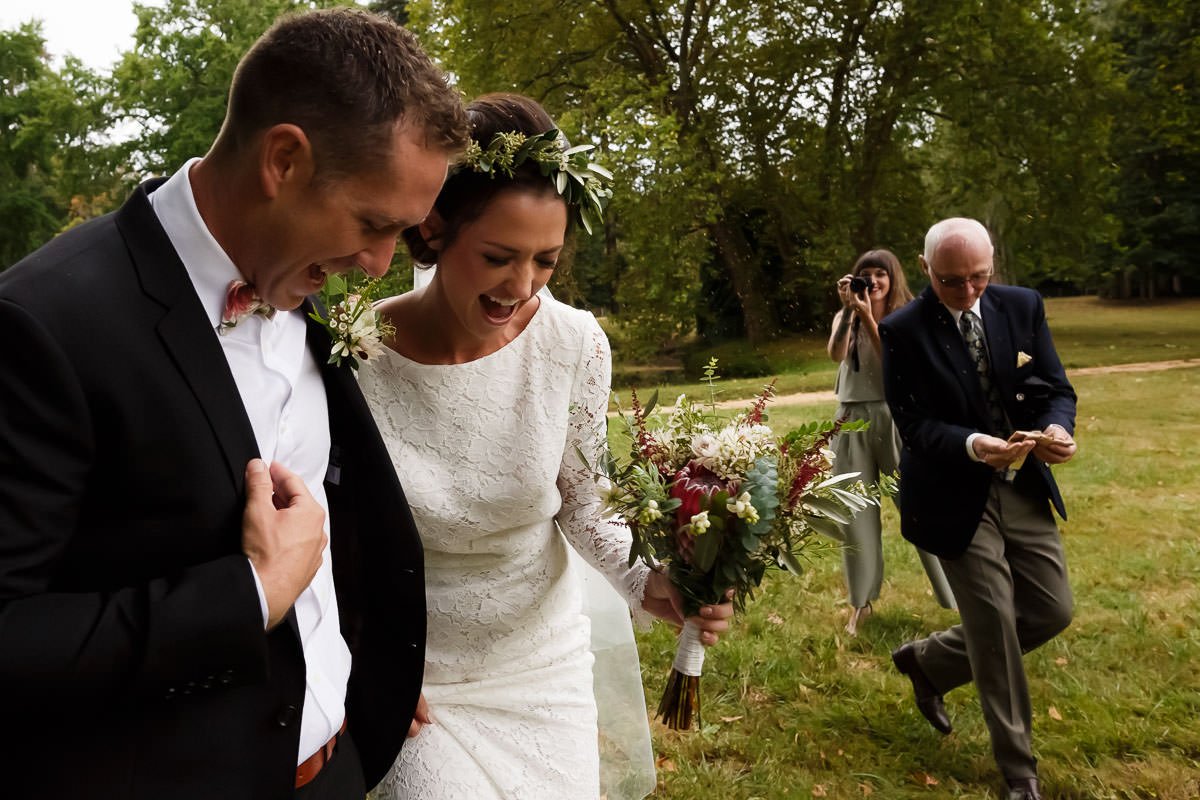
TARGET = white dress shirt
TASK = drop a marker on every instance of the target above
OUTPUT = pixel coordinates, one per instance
(284, 397)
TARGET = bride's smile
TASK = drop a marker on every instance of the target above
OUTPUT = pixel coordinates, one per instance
(493, 268)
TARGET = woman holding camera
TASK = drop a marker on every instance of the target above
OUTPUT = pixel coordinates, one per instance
(874, 289)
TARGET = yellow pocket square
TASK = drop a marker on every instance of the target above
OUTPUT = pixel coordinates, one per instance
(1023, 358)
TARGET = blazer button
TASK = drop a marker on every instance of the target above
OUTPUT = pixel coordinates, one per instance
(169, 694)
(287, 715)
(1020, 397)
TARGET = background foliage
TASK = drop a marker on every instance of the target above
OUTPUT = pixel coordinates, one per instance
(759, 146)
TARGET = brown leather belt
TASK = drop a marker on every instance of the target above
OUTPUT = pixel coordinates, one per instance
(313, 765)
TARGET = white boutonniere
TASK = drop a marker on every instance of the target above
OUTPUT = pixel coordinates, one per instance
(356, 328)
(1023, 358)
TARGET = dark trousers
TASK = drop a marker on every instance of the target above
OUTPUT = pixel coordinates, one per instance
(341, 779)
(1013, 595)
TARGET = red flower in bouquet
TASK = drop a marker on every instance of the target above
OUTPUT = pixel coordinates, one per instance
(694, 486)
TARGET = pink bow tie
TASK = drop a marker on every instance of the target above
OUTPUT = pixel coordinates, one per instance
(241, 301)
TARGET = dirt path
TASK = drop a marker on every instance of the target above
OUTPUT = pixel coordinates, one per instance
(813, 398)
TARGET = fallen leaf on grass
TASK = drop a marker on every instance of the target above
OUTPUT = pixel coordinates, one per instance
(819, 790)
(866, 789)
(1053, 712)
(1061, 661)
(732, 719)
(774, 618)
(925, 779)
(665, 764)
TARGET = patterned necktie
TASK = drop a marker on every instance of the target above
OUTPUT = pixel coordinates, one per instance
(241, 301)
(972, 333)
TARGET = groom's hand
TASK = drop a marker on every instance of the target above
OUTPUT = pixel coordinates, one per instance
(282, 534)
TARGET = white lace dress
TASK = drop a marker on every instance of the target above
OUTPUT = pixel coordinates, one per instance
(487, 454)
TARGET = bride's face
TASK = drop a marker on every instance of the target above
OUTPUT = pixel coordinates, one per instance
(498, 262)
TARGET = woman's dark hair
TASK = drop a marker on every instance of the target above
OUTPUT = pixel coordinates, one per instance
(898, 291)
(466, 193)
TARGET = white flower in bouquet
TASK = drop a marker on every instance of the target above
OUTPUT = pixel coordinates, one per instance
(705, 447)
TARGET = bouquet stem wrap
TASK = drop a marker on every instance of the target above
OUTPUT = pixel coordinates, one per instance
(681, 699)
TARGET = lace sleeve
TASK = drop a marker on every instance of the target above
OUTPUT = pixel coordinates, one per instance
(602, 541)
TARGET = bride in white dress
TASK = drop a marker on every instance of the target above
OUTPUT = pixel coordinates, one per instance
(486, 398)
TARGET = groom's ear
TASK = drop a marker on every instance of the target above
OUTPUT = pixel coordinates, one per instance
(285, 160)
(432, 228)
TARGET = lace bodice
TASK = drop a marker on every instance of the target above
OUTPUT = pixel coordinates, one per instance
(488, 455)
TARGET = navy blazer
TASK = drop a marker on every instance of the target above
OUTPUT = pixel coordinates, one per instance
(133, 659)
(937, 401)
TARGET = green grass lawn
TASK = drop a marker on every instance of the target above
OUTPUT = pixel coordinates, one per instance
(1087, 331)
(793, 708)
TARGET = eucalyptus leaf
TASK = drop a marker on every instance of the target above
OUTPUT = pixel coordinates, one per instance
(650, 404)
(788, 561)
(836, 479)
(582, 458)
(852, 500)
(749, 541)
(829, 508)
(707, 546)
(824, 526)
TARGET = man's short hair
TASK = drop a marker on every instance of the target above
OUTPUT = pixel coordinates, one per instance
(346, 77)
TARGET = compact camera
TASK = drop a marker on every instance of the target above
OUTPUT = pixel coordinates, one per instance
(861, 283)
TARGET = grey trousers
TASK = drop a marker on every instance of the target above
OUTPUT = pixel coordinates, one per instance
(1013, 595)
(873, 452)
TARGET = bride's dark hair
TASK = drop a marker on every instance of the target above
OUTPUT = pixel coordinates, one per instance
(467, 193)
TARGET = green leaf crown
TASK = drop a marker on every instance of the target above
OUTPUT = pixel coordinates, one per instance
(585, 185)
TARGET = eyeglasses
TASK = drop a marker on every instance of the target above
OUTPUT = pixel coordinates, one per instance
(978, 280)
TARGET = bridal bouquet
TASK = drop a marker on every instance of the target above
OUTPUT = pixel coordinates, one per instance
(716, 502)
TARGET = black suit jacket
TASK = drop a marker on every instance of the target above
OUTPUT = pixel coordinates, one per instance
(133, 663)
(937, 401)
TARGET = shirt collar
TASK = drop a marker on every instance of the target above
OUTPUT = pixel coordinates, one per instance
(956, 312)
(208, 266)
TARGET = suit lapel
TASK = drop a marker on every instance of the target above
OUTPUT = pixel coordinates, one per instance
(999, 343)
(951, 345)
(338, 379)
(186, 332)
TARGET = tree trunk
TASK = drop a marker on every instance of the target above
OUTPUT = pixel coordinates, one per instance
(757, 315)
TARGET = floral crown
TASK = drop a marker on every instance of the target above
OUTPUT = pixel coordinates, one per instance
(586, 186)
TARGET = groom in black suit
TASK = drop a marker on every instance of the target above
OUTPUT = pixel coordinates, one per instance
(210, 583)
(983, 406)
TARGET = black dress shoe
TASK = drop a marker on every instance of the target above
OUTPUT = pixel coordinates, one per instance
(929, 702)
(1024, 789)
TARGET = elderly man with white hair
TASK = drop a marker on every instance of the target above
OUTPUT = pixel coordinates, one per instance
(984, 408)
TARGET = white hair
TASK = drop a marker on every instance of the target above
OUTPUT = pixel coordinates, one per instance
(964, 226)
